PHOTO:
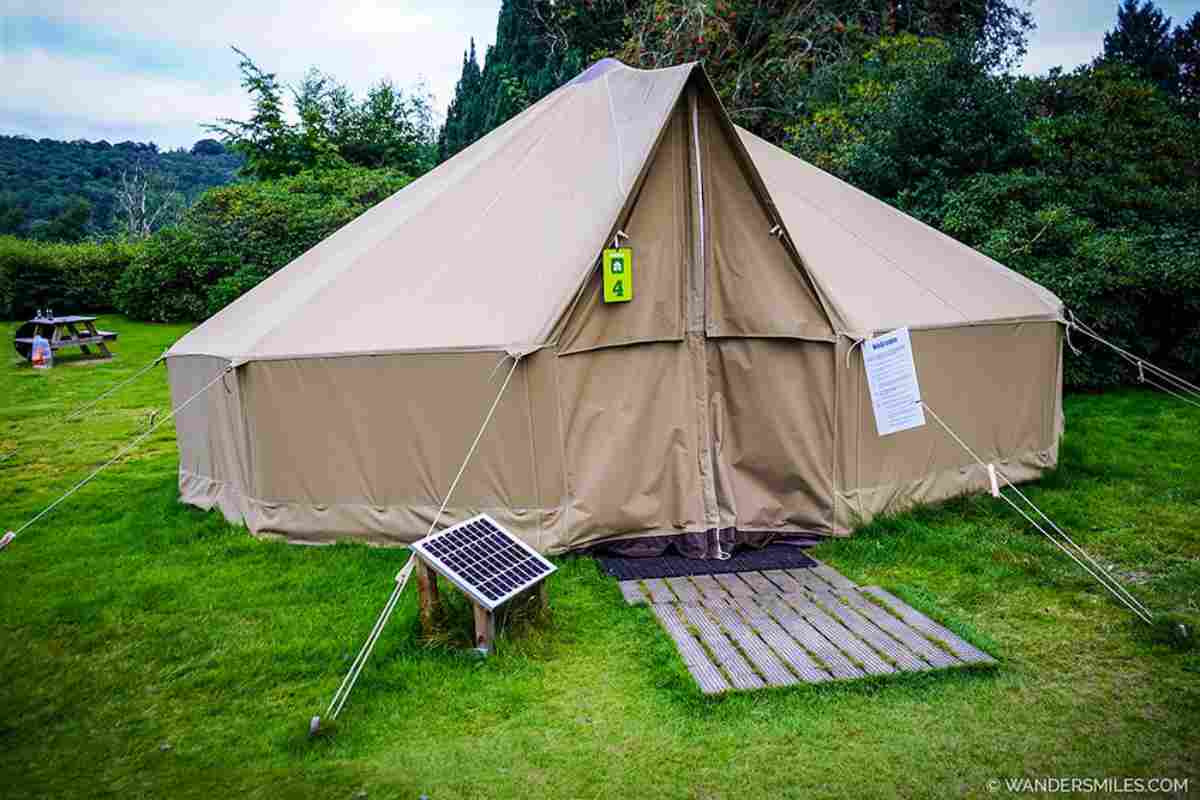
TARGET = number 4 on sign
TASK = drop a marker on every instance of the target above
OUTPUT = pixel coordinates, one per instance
(618, 275)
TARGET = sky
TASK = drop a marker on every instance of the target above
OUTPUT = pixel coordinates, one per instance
(155, 70)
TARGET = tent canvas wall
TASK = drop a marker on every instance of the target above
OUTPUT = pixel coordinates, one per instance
(728, 395)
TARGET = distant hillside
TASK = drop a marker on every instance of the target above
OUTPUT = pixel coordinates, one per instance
(42, 181)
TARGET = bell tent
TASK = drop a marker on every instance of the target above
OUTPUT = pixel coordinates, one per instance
(725, 400)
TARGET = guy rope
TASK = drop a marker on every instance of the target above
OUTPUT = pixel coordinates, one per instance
(347, 686)
(1062, 541)
(8, 537)
(95, 400)
(1148, 373)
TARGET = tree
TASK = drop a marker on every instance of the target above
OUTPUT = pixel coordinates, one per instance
(1104, 214)
(911, 119)
(71, 224)
(264, 140)
(1142, 39)
(12, 214)
(41, 176)
(387, 128)
(208, 147)
(147, 201)
(461, 127)
(1186, 45)
(760, 54)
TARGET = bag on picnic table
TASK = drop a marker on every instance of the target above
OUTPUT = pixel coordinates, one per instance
(42, 356)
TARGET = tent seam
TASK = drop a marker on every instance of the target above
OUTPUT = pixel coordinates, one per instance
(612, 115)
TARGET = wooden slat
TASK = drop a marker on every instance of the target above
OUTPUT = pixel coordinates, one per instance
(759, 583)
(831, 576)
(760, 654)
(870, 633)
(684, 589)
(843, 637)
(785, 583)
(825, 652)
(808, 579)
(60, 320)
(734, 584)
(740, 673)
(709, 678)
(801, 602)
(659, 591)
(912, 639)
(708, 586)
(915, 619)
(62, 342)
(715, 602)
(632, 592)
(80, 341)
(784, 646)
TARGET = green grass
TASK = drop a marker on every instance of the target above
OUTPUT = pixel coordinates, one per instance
(150, 650)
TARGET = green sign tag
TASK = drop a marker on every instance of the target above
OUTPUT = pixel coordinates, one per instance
(618, 275)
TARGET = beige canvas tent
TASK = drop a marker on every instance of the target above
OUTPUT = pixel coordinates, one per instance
(729, 394)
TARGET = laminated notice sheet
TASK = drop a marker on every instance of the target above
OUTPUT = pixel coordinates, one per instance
(892, 380)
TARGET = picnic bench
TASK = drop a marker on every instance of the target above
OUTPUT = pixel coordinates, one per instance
(71, 331)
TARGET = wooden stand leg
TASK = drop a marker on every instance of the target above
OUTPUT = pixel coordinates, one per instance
(428, 589)
(485, 630)
(77, 335)
(543, 598)
(104, 351)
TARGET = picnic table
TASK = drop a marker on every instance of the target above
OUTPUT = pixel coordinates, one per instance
(71, 331)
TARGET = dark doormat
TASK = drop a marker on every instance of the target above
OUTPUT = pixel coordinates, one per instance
(774, 556)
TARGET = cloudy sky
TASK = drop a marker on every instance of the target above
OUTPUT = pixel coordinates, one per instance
(156, 69)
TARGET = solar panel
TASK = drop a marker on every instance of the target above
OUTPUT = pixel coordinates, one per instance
(484, 560)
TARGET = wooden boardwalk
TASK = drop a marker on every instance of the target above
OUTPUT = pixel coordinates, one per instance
(749, 630)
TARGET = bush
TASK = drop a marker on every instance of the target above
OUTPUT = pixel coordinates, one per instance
(1087, 183)
(236, 236)
(68, 278)
(169, 278)
(1137, 285)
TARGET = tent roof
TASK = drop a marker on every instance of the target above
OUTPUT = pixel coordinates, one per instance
(486, 251)
(482, 253)
(879, 268)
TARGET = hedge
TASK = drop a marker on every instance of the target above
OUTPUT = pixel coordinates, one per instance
(236, 236)
(63, 277)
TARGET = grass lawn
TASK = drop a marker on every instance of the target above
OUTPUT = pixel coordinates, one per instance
(151, 650)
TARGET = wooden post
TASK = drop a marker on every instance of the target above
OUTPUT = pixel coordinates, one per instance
(428, 590)
(76, 335)
(485, 630)
(91, 329)
(543, 597)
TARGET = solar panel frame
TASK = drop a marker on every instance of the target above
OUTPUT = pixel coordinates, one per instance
(484, 560)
